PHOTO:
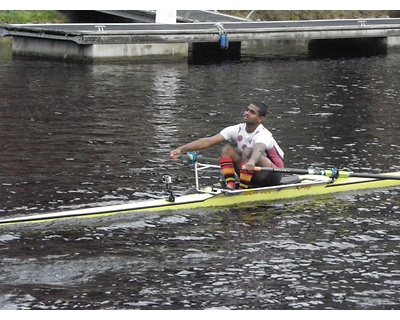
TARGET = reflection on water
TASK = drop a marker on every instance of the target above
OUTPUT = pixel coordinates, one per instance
(76, 135)
(331, 253)
(165, 94)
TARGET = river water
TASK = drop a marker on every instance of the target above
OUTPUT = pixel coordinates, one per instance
(76, 135)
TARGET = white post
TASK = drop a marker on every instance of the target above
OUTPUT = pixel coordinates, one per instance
(166, 16)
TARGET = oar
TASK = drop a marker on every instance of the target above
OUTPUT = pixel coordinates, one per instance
(192, 157)
(331, 173)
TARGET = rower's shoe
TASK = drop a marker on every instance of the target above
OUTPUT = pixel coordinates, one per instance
(231, 186)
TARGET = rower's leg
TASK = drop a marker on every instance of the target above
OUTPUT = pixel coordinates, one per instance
(229, 156)
(245, 178)
(228, 171)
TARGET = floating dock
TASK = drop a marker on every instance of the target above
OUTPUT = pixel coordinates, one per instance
(188, 41)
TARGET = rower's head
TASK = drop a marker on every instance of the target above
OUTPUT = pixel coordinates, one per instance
(262, 109)
(255, 113)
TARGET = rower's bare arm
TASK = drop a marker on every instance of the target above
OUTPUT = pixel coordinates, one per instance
(199, 144)
(258, 150)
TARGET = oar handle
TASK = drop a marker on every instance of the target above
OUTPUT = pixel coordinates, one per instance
(192, 157)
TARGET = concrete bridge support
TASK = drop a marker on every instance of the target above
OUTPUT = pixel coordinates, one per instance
(320, 48)
(69, 50)
(193, 53)
(203, 52)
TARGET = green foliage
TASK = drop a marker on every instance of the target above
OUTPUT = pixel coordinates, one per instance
(36, 16)
(286, 15)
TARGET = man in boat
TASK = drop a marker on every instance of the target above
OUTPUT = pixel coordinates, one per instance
(255, 146)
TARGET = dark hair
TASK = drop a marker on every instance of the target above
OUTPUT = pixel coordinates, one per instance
(262, 108)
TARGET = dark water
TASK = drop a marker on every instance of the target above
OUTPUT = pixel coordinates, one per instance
(75, 135)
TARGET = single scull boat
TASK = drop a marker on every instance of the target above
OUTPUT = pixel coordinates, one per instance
(300, 184)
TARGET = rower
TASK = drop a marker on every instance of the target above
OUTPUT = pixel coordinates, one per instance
(255, 146)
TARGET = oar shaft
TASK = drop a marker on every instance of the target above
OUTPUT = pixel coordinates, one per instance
(329, 173)
(369, 175)
(286, 170)
(202, 158)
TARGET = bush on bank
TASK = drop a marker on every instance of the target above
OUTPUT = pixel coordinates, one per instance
(27, 16)
(285, 15)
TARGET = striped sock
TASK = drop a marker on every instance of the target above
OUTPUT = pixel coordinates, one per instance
(228, 171)
(245, 178)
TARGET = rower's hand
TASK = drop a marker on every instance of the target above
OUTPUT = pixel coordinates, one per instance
(174, 154)
(248, 166)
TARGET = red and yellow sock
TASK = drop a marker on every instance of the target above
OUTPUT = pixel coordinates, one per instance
(245, 178)
(228, 171)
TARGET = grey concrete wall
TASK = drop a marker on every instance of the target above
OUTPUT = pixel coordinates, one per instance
(68, 50)
(393, 41)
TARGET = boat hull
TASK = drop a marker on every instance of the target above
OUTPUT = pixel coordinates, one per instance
(214, 198)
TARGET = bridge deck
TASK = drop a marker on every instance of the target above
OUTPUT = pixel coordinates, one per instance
(203, 32)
